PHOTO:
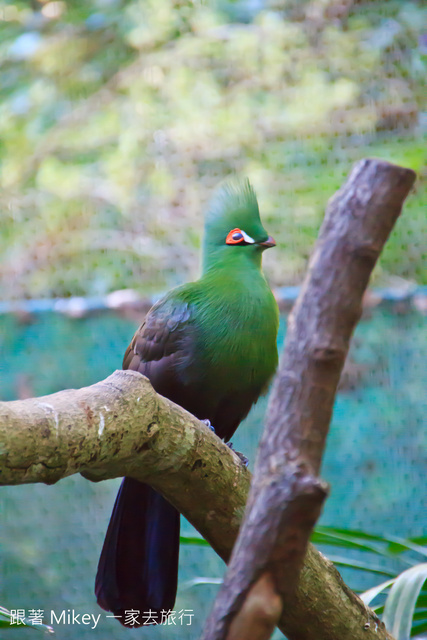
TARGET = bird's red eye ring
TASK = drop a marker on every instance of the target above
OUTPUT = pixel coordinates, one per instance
(235, 236)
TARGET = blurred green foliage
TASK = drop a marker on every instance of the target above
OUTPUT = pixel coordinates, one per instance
(117, 117)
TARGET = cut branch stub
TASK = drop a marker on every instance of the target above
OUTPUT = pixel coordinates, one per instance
(275, 532)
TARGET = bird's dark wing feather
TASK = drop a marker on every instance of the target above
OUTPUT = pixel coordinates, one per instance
(163, 350)
(138, 568)
(159, 336)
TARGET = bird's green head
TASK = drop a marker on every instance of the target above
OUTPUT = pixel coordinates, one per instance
(233, 228)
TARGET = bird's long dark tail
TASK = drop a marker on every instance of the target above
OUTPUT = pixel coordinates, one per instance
(138, 567)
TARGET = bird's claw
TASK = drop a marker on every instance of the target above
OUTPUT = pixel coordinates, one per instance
(242, 457)
(208, 424)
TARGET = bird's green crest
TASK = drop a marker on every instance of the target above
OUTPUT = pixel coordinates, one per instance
(234, 206)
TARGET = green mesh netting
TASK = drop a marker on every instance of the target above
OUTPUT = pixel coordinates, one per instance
(375, 461)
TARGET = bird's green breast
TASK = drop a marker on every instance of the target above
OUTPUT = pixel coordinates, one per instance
(236, 323)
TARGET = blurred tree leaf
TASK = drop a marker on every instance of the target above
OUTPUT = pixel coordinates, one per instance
(400, 605)
(8, 620)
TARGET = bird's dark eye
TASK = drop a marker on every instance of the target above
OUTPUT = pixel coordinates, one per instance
(237, 236)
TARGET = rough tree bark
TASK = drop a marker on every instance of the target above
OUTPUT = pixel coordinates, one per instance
(286, 495)
(120, 426)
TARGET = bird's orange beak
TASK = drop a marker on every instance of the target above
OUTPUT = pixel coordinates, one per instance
(270, 242)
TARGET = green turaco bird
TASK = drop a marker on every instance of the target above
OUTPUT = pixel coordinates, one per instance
(209, 346)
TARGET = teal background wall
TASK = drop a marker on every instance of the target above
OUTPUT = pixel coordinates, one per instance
(375, 461)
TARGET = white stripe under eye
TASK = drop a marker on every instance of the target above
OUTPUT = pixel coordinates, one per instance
(247, 238)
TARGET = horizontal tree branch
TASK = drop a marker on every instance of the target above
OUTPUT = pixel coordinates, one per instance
(120, 426)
